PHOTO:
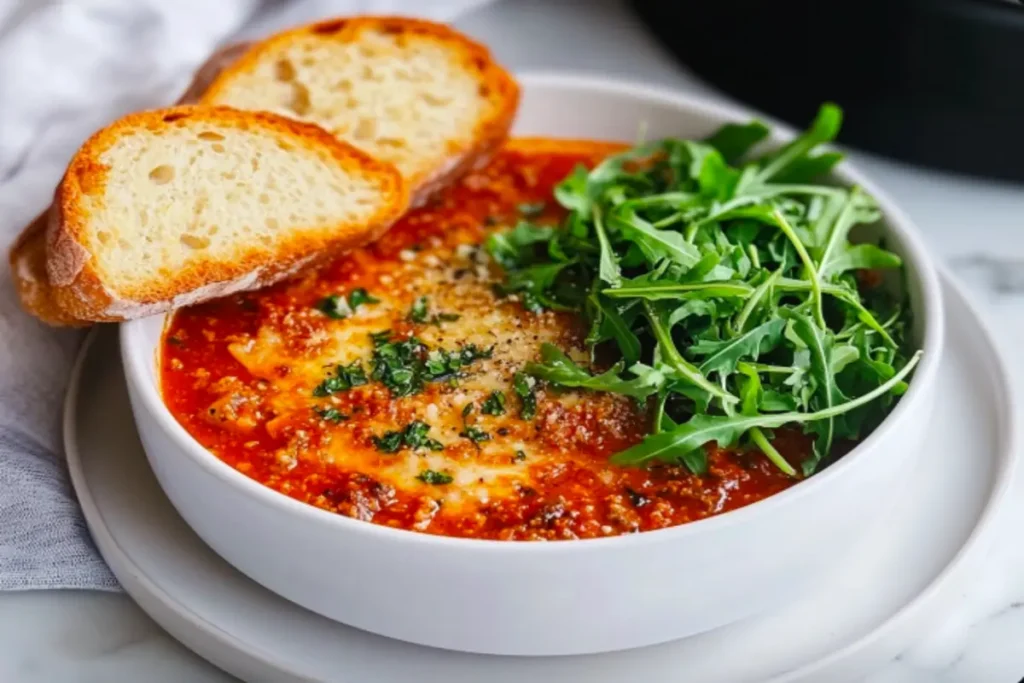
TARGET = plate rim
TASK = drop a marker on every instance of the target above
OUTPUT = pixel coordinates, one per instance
(1009, 440)
(164, 608)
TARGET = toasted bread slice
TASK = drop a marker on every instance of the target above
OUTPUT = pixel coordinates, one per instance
(28, 267)
(418, 94)
(27, 255)
(169, 207)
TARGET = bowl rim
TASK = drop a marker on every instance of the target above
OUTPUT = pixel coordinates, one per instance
(136, 356)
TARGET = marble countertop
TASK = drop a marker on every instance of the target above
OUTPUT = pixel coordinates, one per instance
(975, 227)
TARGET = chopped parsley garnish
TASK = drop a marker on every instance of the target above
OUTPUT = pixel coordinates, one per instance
(361, 296)
(330, 414)
(519, 456)
(531, 209)
(398, 365)
(442, 364)
(523, 385)
(471, 432)
(494, 404)
(389, 442)
(434, 477)
(420, 313)
(405, 365)
(337, 306)
(415, 435)
(475, 434)
(344, 378)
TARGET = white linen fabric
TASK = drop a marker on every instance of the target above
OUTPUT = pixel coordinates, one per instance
(68, 67)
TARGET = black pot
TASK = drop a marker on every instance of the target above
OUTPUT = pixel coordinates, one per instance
(936, 82)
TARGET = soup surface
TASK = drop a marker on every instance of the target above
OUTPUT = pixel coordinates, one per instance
(387, 386)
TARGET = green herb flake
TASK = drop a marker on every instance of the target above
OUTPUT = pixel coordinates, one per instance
(389, 442)
(344, 378)
(475, 434)
(335, 306)
(380, 338)
(494, 404)
(360, 296)
(523, 385)
(330, 414)
(419, 313)
(519, 456)
(532, 209)
(434, 477)
(398, 364)
(338, 306)
(414, 435)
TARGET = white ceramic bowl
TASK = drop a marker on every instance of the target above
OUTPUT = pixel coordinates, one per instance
(566, 597)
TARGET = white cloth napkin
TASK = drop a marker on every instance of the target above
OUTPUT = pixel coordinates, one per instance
(68, 67)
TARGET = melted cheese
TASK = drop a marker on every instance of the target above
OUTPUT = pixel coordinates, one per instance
(456, 280)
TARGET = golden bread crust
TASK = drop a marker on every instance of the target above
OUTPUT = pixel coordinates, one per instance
(496, 84)
(80, 289)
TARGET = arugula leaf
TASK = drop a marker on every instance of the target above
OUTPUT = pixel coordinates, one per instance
(612, 325)
(512, 247)
(722, 356)
(862, 256)
(730, 288)
(734, 140)
(824, 129)
(608, 270)
(680, 366)
(655, 244)
(558, 368)
(670, 446)
(820, 347)
(640, 288)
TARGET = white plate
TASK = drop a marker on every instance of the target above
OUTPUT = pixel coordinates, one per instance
(905, 577)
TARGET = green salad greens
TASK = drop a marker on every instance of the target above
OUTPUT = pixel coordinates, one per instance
(724, 290)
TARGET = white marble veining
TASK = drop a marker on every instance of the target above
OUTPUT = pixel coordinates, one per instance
(975, 227)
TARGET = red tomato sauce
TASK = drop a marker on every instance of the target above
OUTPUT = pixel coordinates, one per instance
(571, 492)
